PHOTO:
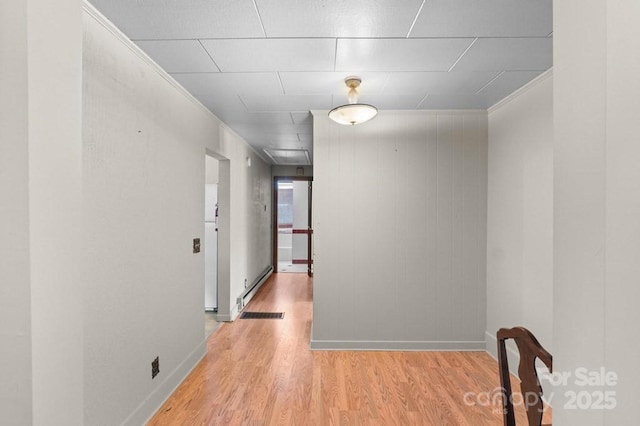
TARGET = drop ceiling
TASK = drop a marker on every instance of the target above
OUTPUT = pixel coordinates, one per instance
(261, 65)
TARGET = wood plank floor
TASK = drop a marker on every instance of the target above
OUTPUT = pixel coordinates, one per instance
(261, 372)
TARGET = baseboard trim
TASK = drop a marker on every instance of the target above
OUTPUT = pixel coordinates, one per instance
(235, 311)
(512, 354)
(491, 344)
(143, 413)
(246, 296)
(230, 317)
(374, 345)
(223, 318)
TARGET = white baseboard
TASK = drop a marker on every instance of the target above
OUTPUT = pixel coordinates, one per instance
(492, 344)
(223, 318)
(245, 297)
(234, 313)
(373, 345)
(512, 354)
(143, 413)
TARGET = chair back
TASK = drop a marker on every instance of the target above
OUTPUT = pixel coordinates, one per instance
(531, 391)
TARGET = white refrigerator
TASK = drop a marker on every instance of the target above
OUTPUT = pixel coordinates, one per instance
(210, 248)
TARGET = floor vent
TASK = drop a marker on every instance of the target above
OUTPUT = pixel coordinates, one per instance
(262, 315)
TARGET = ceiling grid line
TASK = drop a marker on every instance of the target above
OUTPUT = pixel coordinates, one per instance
(490, 82)
(280, 81)
(243, 103)
(415, 19)
(209, 55)
(424, 98)
(462, 54)
(255, 6)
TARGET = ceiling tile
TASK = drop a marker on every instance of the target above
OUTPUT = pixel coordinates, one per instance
(510, 54)
(454, 101)
(438, 82)
(277, 129)
(304, 83)
(185, 19)
(302, 117)
(505, 84)
(399, 54)
(220, 92)
(486, 18)
(255, 55)
(392, 101)
(179, 55)
(262, 140)
(305, 138)
(338, 18)
(259, 102)
(230, 84)
(290, 139)
(258, 118)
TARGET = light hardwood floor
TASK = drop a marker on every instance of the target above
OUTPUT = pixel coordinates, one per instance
(261, 372)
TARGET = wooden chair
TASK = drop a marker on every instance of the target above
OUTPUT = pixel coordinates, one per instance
(531, 391)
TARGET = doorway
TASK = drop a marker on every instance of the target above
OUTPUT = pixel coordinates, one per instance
(292, 225)
(211, 243)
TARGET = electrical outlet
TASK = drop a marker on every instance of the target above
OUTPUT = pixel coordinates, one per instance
(196, 245)
(245, 283)
(155, 367)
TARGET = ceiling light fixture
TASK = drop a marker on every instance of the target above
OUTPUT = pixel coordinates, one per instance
(353, 113)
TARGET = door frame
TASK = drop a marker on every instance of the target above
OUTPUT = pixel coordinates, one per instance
(277, 179)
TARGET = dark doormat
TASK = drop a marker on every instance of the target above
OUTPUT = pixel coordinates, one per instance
(262, 315)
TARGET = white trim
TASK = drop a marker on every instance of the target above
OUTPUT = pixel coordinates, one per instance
(143, 412)
(542, 77)
(373, 345)
(223, 318)
(235, 311)
(231, 316)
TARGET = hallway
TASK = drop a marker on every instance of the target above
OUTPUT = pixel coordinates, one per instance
(261, 372)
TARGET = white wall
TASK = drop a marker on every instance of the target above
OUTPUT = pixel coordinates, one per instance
(520, 213)
(40, 152)
(15, 285)
(250, 219)
(143, 175)
(597, 201)
(211, 170)
(400, 231)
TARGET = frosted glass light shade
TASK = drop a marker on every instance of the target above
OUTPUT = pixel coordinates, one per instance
(352, 114)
